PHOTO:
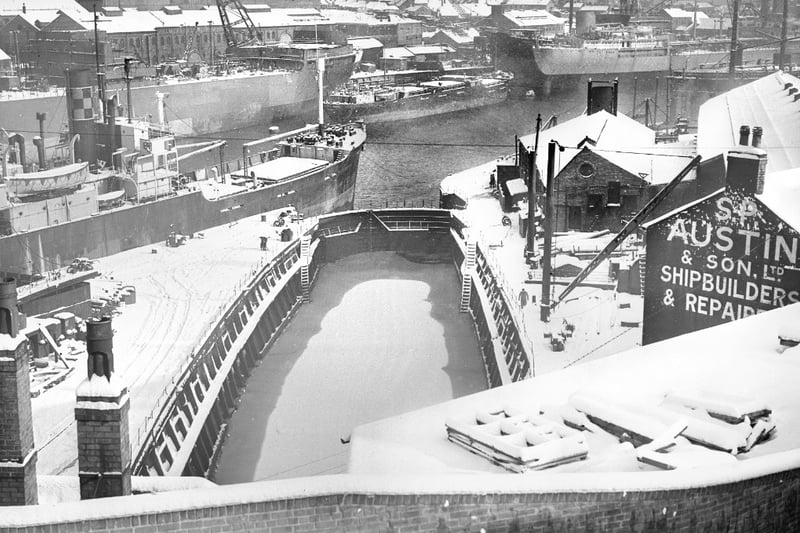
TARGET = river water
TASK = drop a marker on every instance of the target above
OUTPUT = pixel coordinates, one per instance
(406, 160)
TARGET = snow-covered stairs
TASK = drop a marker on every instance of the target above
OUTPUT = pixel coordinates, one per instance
(466, 277)
(305, 257)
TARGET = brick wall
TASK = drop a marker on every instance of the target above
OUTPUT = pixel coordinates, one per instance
(17, 454)
(766, 503)
(104, 451)
(572, 190)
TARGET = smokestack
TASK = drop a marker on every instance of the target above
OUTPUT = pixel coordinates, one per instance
(757, 132)
(39, 143)
(744, 135)
(99, 347)
(746, 170)
(8, 307)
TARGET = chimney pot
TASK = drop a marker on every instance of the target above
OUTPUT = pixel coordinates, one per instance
(744, 135)
(99, 347)
(757, 133)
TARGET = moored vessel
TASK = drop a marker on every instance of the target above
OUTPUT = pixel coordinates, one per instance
(403, 102)
(556, 63)
(51, 216)
(282, 89)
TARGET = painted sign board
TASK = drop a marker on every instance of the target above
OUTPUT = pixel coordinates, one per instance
(724, 258)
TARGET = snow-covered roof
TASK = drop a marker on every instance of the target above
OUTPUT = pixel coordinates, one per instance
(742, 358)
(782, 195)
(4, 56)
(532, 18)
(430, 49)
(397, 53)
(674, 12)
(42, 16)
(345, 16)
(542, 3)
(604, 130)
(765, 103)
(657, 164)
(364, 43)
(460, 37)
(134, 21)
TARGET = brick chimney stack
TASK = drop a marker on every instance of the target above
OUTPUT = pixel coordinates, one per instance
(101, 411)
(17, 452)
(747, 166)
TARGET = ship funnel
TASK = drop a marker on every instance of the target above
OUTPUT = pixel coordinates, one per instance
(602, 95)
(744, 135)
(19, 154)
(39, 143)
(99, 347)
(8, 307)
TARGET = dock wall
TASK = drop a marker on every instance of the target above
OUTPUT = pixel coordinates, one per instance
(712, 500)
(184, 434)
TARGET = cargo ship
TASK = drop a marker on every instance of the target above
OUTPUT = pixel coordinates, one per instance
(557, 64)
(284, 90)
(381, 103)
(49, 216)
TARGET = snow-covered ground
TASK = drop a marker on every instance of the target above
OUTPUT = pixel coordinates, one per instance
(180, 292)
(595, 313)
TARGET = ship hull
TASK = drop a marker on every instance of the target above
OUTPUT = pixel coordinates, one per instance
(548, 68)
(330, 189)
(415, 107)
(196, 107)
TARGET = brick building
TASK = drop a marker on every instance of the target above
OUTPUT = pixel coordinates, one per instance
(607, 167)
(602, 189)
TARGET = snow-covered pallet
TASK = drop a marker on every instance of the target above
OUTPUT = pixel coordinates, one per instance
(728, 407)
(516, 441)
(642, 424)
(625, 422)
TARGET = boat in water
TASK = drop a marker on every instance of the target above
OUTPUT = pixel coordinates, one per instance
(49, 216)
(279, 88)
(557, 63)
(445, 94)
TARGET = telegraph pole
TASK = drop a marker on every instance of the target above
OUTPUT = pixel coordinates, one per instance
(548, 233)
(531, 231)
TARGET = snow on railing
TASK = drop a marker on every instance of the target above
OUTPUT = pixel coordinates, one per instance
(169, 392)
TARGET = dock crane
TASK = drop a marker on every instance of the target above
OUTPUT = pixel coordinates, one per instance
(240, 18)
(190, 42)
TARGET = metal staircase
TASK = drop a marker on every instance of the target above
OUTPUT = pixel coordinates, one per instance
(305, 255)
(466, 277)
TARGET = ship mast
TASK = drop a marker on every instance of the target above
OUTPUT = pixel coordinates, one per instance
(101, 86)
(782, 60)
(734, 38)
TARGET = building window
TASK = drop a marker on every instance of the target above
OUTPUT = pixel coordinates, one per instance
(614, 197)
(594, 203)
(586, 170)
